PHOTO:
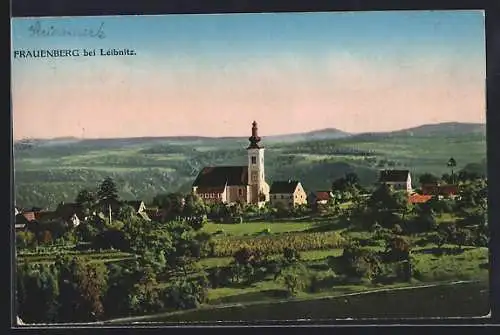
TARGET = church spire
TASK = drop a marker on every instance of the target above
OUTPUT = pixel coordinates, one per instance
(254, 139)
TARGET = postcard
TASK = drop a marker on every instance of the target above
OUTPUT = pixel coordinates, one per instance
(250, 167)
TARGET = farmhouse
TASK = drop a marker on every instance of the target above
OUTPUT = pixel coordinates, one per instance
(69, 213)
(320, 197)
(154, 214)
(441, 191)
(398, 179)
(288, 194)
(140, 208)
(231, 184)
(24, 217)
(416, 198)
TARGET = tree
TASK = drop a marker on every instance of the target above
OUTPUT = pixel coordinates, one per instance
(172, 204)
(46, 237)
(294, 278)
(107, 193)
(452, 164)
(85, 198)
(82, 286)
(447, 178)
(346, 186)
(439, 239)
(427, 221)
(384, 204)
(194, 206)
(352, 179)
(462, 237)
(398, 248)
(25, 239)
(291, 255)
(465, 176)
(245, 256)
(428, 178)
(145, 295)
(126, 212)
(184, 294)
(36, 293)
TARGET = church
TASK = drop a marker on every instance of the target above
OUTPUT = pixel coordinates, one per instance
(231, 184)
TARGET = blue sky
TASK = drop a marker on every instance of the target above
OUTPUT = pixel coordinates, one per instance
(362, 32)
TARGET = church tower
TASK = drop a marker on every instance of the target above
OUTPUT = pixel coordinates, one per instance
(259, 189)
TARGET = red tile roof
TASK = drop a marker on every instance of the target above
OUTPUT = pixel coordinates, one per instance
(447, 189)
(322, 195)
(419, 198)
(30, 216)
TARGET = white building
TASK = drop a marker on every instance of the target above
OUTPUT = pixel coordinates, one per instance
(399, 179)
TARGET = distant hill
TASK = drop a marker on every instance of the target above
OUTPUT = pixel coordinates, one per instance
(431, 130)
(428, 130)
(321, 134)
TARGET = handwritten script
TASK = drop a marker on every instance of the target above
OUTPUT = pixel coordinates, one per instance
(38, 30)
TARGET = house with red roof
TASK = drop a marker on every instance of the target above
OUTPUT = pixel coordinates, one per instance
(441, 190)
(320, 197)
(416, 198)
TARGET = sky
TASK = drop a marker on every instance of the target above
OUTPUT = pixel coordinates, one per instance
(212, 75)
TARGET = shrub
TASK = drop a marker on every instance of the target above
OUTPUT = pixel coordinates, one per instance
(397, 230)
(357, 262)
(398, 248)
(322, 280)
(291, 255)
(246, 255)
(481, 240)
(295, 279)
(376, 228)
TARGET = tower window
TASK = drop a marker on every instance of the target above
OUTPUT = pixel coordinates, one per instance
(254, 160)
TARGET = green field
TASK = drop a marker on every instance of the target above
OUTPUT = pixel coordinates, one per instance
(252, 228)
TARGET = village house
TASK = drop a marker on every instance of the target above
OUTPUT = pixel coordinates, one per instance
(320, 197)
(140, 208)
(68, 213)
(441, 190)
(416, 198)
(154, 214)
(24, 217)
(231, 184)
(400, 180)
(287, 193)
